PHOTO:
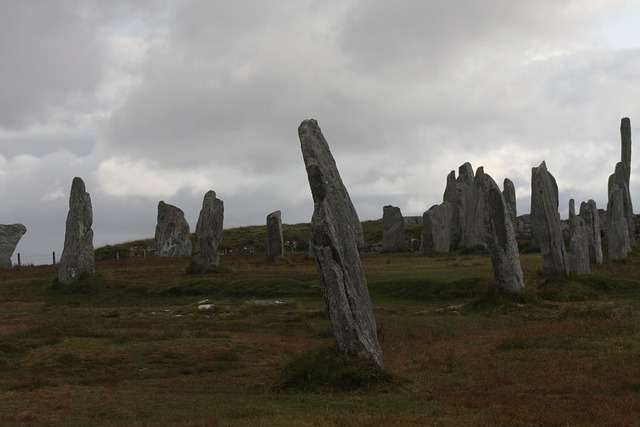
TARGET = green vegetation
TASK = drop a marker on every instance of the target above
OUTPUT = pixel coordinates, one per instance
(132, 346)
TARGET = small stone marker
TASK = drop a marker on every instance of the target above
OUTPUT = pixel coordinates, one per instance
(393, 236)
(591, 218)
(275, 243)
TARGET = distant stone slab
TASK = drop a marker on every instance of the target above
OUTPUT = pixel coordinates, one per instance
(336, 235)
(393, 235)
(209, 230)
(591, 218)
(437, 229)
(275, 243)
(545, 221)
(172, 232)
(77, 256)
(10, 236)
(579, 262)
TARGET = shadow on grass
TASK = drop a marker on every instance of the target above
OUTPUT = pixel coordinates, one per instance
(329, 370)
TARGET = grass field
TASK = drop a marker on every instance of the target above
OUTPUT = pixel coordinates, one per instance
(131, 347)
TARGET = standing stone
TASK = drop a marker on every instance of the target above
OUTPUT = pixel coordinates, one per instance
(500, 236)
(617, 230)
(10, 235)
(336, 234)
(474, 205)
(209, 230)
(275, 243)
(172, 232)
(579, 247)
(619, 178)
(545, 221)
(509, 195)
(572, 213)
(591, 218)
(625, 137)
(77, 256)
(436, 228)
(393, 236)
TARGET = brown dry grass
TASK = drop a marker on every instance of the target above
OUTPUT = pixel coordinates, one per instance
(124, 353)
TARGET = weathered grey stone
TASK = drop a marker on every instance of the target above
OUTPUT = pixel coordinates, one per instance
(77, 257)
(591, 218)
(619, 178)
(463, 208)
(452, 196)
(10, 235)
(393, 236)
(619, 244)
(436, 228)
(209, 230)
(275, 243)
(579, 247)
(500, 236)
(625, 142)
(509, 196)
(336, 234)
(474, 205)
(545, 221)
(172, 232)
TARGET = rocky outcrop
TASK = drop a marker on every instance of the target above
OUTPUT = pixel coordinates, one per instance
(336, 235)
(172, 232)
(591, 218)
(500, 237)
(10, 235)
(208, 230)
(393, 236)
(77, 257)
(275, 243)
(437, 228)
(545, 221)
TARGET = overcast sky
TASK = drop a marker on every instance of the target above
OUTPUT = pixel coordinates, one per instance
(166, 99)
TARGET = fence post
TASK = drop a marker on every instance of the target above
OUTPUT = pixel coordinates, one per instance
(54, 257)
(19, 259)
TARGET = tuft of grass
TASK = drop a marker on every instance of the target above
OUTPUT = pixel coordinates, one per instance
(427, 290)
(493, 298)
(195, 268)
(332, 371)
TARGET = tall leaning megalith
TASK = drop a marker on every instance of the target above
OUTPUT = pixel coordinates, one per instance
(77, 256)
(336, 234)
(209, 230)
(545, 221)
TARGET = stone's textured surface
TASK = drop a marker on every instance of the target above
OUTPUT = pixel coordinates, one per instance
(336, 234)
(499, 234)
(579, 247)
(625, 142)
(452, 196)
(275, 243)
(473, 227)
(172, 232)
(591, 219)
(209, 230)
(617, 230)
(619, 178)
(10, 235)
(393, 236)
(509, 196)
(436, 228)
(545, 221)
(77, 256)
